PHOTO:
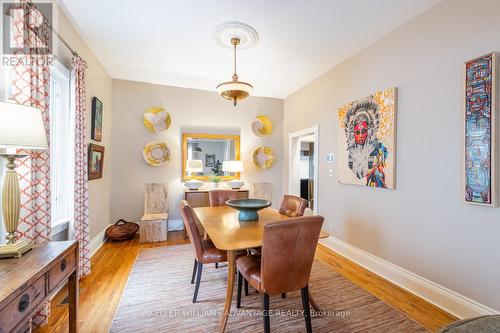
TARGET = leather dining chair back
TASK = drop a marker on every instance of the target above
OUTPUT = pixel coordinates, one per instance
(288, 249)
(219, 197)
(189, 219)
(204, 250)
(293, 206)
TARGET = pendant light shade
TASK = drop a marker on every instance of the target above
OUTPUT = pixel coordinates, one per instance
(234, 90)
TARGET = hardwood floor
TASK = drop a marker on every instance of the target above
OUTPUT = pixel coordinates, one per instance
(423, 312)
(100, 292)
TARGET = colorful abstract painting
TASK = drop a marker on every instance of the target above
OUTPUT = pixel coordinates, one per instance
(96, 133)
(367, 141)
(479, 140)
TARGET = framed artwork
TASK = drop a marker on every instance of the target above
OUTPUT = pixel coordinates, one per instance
(209, 160)
(367, 141)
(96, 161)
(480, 131)
(96, 133)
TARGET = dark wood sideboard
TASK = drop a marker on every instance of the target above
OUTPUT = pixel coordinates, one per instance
(199, 198)
(26, 283)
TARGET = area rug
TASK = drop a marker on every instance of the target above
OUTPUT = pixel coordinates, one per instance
(158, 297)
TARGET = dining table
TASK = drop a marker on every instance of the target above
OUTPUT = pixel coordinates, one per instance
(228, 233)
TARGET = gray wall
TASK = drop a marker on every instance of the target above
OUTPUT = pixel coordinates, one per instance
(423, 225)
(190, 109)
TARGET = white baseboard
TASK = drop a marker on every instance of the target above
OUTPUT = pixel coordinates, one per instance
(96, 242)
(444, 298)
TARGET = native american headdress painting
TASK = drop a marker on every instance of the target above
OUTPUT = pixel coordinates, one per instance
(367, 140)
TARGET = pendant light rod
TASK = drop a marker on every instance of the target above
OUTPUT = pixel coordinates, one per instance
(235, 41)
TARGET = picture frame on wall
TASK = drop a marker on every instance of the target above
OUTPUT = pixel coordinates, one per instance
(480, 117)
(97, 114)
(209, 160)
(95, 161)
(366, 151)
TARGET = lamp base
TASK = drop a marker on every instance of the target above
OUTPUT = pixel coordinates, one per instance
(15, 250)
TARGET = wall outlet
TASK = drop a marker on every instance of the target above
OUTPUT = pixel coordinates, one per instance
(330, 172)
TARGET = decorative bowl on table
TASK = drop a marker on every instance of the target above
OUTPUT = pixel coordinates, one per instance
(248, 208)
(193, 184)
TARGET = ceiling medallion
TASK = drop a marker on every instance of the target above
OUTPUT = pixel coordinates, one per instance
(238, 34)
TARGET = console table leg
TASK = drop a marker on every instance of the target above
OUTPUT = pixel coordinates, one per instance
(73, 302)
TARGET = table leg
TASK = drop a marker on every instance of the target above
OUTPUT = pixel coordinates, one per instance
(73, 302)
(231, 269)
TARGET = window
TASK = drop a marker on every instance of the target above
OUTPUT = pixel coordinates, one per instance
(61, 147)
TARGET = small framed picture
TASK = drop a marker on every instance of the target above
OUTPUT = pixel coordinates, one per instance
(96, 119)
(96, 161)
(209, 160)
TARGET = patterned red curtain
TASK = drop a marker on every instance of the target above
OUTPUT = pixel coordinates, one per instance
(81, 224)
(30, 85)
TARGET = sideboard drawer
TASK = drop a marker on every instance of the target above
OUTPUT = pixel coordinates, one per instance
(20, 306)
(61, 270)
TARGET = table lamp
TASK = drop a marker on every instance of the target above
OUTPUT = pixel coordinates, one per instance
(193, 167)
(235, 167)
(21, 127)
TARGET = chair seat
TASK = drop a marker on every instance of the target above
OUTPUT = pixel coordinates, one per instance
(249, 267)
(154, 216)
(211, 254)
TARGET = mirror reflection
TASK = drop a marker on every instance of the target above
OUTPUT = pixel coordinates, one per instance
(205, 154)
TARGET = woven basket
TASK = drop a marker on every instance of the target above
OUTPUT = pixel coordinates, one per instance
(122, 230)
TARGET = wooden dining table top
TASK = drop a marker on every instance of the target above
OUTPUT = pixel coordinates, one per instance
(228, 233)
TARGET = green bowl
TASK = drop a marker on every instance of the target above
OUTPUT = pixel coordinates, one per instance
(248, 208)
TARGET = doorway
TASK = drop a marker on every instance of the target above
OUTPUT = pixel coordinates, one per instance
(303, 168)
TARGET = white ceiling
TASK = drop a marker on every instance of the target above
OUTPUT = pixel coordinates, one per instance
(170, 41)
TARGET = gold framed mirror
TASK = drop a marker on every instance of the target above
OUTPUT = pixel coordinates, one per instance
(212, 150)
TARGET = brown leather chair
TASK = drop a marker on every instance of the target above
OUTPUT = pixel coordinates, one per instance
(219, 197)
(204, 250)
(285, 264)
(293, 206)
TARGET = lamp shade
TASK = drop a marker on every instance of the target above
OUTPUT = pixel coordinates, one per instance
(232, 166)
(194, 166)
(21, 127)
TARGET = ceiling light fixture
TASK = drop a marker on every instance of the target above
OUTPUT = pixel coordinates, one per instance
(240, 35)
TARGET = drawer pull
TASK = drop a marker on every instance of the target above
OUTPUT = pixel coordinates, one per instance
(64, 264)
(24, 303)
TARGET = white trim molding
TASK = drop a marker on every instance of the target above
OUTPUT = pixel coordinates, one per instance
(454, 303)
(294, 154)
(58, 228)
(96, 242)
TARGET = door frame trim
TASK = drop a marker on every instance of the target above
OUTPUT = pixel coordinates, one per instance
(292, 141)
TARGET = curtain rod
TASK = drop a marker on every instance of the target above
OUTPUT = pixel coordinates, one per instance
(31, 4)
